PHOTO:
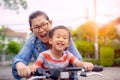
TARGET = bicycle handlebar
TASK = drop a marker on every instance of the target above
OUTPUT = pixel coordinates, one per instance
(55, 73)
(96, 68)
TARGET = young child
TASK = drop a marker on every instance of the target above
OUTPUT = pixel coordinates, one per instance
(58, 56)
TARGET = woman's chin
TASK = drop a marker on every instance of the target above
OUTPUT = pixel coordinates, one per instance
(44, 40)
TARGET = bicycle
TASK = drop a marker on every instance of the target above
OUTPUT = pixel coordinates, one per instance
(64, 74)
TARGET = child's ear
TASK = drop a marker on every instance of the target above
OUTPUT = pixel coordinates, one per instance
(50, 41)
(68, 44)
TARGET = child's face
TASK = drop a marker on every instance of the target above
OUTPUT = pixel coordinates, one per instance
(60, 40)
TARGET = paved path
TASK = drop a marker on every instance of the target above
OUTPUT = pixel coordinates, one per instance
(109, 73)
(6, 73)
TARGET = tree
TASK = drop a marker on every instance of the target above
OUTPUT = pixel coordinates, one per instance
(85, 31)
(107, 33)
(2, 44)
(13, 4)
(2, 39)
(111, 31)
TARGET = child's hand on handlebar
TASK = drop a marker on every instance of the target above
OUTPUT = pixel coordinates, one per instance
(32, 69)
(88, 66)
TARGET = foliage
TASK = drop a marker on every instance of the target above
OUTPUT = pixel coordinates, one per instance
(117, 61)
(115, 45)
(106, 56)
(2, 40)
(2, 46)
(92, 60)
(111, 31)
(13, 47)
(110, 43)
(14, 4)
(107, 33)
(103, 42)
(85, 31)
(86, 48)
(2, 33)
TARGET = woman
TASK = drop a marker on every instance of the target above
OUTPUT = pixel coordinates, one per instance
(40, 25)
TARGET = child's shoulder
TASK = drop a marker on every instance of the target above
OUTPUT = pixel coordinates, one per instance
(67, 52)
(46, 52)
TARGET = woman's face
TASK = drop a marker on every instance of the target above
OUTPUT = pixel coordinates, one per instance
(41, 27)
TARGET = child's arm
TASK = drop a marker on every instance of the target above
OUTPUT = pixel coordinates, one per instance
(38, 63)
(33, 68)
(74, 61)
(86, 65)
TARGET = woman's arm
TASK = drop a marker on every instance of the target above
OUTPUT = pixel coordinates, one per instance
(72, 48)
(22, 58)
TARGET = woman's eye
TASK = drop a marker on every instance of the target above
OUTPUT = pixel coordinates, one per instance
(43, 24)
(36, 27)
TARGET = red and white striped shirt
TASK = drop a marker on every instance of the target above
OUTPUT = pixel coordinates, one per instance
(47, 61)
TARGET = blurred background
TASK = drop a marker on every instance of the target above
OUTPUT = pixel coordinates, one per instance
(94, 24)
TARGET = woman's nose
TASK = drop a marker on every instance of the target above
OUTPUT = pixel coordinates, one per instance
(40, 29)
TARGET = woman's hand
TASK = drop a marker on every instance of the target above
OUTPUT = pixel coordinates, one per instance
(23, 70)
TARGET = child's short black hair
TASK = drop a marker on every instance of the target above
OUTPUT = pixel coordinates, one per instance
(59, 27)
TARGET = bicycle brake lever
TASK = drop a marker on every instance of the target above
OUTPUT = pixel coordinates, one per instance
(96, 68)
(94, 73)
(83, 72)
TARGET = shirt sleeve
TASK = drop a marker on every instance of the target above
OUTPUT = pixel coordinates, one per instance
(72, 48)
(72, 59)
(40, 60)
(24, 56)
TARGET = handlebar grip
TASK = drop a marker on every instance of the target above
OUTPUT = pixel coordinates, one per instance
(97, 68)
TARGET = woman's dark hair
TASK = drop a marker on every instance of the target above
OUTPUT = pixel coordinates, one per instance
(36, 14)
(59, 27)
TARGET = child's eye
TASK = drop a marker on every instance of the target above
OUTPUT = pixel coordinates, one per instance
(64, 37)
(58, 36)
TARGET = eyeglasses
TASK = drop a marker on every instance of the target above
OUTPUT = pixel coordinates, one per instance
(42, 26)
